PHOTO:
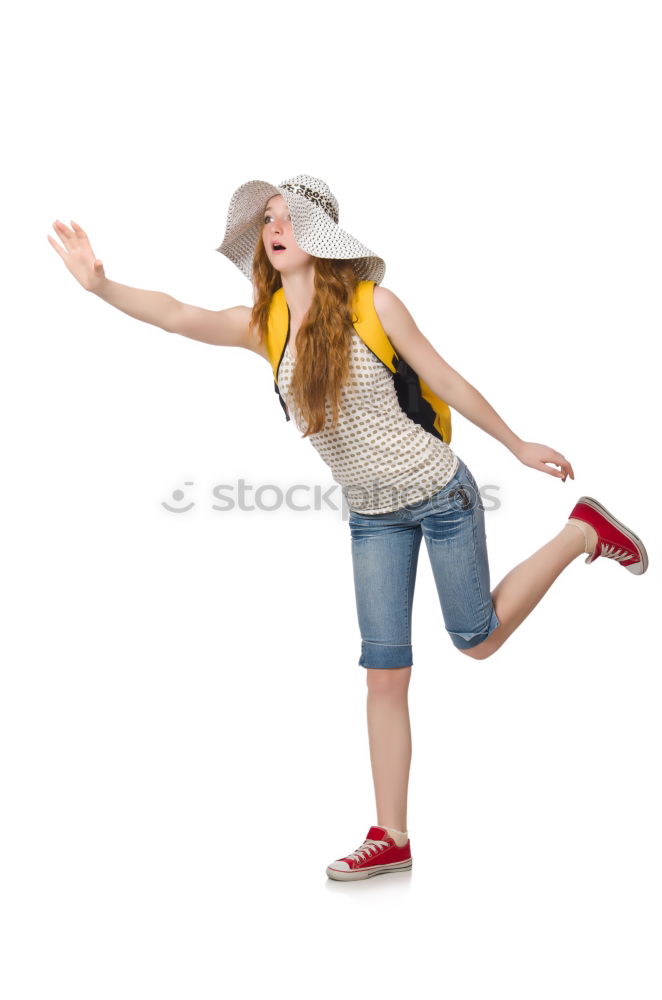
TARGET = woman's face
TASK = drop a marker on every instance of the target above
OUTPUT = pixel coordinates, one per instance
(277, 229)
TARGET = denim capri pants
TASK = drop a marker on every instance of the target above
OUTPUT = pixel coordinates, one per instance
(385, 551)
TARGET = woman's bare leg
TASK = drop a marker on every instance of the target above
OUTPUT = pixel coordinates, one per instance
(389, 733)
(521, 589)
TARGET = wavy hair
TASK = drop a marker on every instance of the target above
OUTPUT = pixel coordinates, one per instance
(323, 340)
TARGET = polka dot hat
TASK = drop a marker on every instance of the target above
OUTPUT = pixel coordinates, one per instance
(315, 213)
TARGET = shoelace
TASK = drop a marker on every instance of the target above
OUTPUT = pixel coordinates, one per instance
(367, 848)
(613, 552)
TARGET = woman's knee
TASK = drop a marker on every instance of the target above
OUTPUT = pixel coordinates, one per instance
(476, 653)
(482, 650)
(387, 680)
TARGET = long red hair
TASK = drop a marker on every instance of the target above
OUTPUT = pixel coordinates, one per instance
(322, 341)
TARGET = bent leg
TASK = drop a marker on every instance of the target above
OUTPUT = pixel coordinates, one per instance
(457, 545)
(521, 589)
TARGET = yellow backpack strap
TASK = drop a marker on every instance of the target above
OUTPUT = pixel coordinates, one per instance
(436, 415)
(278, 325)
(277, 328)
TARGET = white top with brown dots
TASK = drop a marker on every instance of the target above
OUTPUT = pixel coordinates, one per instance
(380, 457)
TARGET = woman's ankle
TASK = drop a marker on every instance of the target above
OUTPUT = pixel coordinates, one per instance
(399, 836)
(589, 533)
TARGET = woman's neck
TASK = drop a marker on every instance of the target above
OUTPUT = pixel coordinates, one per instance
(299, 290)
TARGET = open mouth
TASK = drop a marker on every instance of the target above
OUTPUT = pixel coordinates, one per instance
(277, 247)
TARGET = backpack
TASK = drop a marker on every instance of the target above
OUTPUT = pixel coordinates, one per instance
(414, 396)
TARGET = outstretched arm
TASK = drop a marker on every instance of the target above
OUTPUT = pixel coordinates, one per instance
(223, 327)
(450, 386)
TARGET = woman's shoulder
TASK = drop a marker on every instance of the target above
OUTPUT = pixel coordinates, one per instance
(387, 304)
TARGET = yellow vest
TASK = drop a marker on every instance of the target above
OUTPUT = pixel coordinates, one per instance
(415, 397)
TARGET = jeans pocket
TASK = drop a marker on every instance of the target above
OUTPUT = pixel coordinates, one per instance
(461, 497)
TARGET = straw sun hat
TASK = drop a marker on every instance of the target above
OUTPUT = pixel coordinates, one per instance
(314, 211)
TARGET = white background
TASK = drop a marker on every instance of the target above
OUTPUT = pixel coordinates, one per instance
(184, 744)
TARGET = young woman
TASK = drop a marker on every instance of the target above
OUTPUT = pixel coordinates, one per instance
(318, 302)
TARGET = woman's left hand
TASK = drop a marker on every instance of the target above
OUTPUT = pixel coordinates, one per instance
(538, 456)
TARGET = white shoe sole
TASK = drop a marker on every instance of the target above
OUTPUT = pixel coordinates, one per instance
(352, 876)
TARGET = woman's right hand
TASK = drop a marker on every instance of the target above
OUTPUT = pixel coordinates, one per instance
(78, 255)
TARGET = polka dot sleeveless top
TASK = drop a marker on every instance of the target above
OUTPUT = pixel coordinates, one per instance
(381, 458)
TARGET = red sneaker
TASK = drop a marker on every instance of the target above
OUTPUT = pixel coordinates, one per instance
(615, 541)
(377, 855)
